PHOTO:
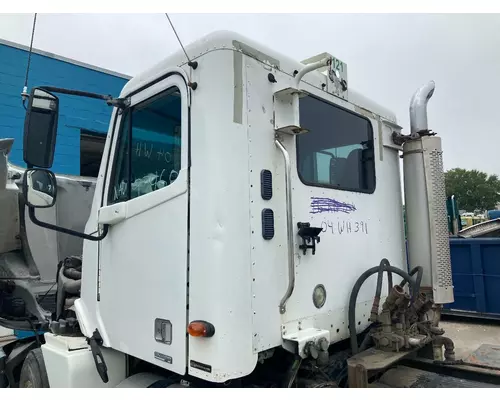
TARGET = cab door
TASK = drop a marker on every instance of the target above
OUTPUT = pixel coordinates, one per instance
(142, 283)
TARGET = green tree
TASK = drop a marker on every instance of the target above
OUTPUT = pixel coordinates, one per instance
(473, 189)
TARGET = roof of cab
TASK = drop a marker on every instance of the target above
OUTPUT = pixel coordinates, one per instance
(227, 40)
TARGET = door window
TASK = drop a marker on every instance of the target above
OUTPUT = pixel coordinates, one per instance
(148, 148)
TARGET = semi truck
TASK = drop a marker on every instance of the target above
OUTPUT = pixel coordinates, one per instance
(245, 230)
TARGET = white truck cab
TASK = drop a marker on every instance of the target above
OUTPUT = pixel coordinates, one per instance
(240, 196)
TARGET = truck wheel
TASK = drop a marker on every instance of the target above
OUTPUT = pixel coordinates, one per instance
(33, 372)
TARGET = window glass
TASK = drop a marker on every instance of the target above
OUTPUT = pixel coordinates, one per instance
(91, 150)
(149, 147)
(338, 150)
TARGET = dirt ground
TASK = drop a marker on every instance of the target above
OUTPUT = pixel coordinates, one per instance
(469, 335)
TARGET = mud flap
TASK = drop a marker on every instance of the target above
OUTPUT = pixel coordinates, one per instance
(95, 341)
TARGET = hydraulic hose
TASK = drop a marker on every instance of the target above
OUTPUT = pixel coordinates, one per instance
(354, 295)
(365, 342)
(378, 291)
(419, 271)
(389, 282)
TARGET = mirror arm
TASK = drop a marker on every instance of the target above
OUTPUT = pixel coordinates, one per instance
(36, 221)
(120, 103)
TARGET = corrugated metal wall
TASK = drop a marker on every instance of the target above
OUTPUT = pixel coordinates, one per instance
(75, 113)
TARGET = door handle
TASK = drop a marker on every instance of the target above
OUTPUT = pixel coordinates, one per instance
(113, 214)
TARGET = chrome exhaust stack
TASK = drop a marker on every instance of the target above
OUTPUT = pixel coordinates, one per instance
(418, 110)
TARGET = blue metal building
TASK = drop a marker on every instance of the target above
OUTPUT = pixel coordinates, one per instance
(83, 123)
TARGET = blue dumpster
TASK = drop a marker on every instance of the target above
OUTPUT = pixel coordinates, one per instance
(475, 265)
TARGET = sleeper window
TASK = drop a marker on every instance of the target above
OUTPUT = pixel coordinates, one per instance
(338, 150)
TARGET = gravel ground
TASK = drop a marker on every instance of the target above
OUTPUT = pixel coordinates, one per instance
(469, 335)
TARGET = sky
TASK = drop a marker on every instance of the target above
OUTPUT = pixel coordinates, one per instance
(388, 57)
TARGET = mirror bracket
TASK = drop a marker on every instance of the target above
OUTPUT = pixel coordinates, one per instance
(40, 192)
(36, 221)
(120, 103)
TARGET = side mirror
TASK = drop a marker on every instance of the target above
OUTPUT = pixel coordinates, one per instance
(40, 191)
(39, 188)
(40, 128)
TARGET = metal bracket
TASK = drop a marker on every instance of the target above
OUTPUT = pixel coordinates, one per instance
(372, 360)
(286, 112)
(303, 339)
(309, 235)
(121, 103)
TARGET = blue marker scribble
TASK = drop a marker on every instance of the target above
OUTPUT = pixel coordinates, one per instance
(323, 204)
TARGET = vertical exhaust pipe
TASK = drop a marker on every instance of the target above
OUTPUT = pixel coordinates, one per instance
(425, 202)
(418, 109)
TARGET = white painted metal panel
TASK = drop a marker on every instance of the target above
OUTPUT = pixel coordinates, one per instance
(220, 273)
(350, 243)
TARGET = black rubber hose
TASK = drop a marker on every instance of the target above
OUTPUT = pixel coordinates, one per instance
(354, 296)
(389, 282)
(365, 342)
(378, 290)
(380, 276)
(420, 272)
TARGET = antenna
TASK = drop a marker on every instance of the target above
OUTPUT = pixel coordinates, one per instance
(25, 94)
(192, 64)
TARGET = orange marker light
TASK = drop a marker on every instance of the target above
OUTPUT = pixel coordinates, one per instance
(201, 329)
